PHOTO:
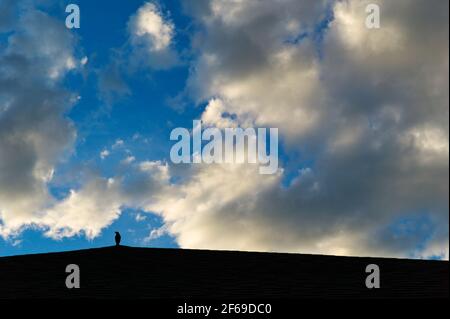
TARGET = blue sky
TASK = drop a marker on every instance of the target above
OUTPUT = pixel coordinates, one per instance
(363, 164)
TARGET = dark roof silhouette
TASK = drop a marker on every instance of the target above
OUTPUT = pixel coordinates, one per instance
(115, 272)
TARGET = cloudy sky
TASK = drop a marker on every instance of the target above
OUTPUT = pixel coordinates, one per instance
(363, 118)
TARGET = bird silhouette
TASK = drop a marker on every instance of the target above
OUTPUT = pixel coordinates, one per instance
(117, 238)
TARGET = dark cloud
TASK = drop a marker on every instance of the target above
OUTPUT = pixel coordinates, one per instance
(34, 132)
(371, 113)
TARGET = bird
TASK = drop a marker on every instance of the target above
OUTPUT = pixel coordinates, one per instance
(117, 238)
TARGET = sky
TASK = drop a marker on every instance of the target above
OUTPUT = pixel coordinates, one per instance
(86, 115)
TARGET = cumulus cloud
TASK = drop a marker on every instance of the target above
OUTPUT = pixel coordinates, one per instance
(34, 133)
(149, 25)
(44, 42)
(368, 107)
(104, 154)
(151, 37)
(86, 211)
(246, 60)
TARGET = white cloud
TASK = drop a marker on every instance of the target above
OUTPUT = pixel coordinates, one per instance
(118, 144)
(104, 154)
(84, 60)
(151, 36)
(86, 211)
(155, 233)
(128, 160)
(149, 24)
(140, 218)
